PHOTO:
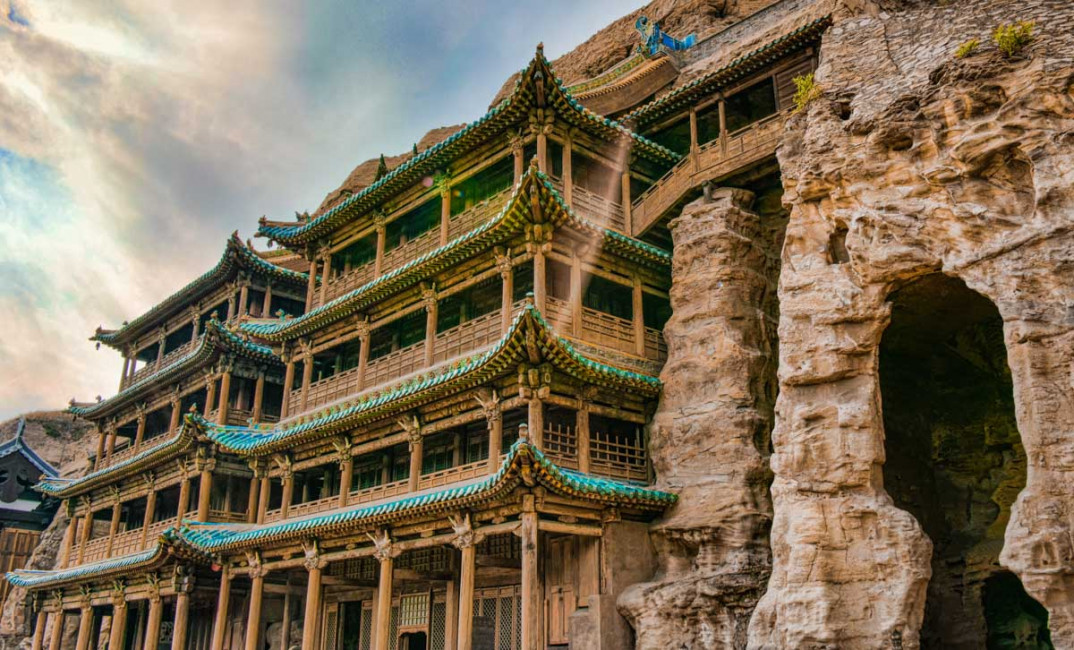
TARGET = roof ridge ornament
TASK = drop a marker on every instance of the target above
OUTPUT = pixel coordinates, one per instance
(655, 40)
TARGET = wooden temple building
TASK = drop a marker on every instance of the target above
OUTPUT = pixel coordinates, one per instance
(431, 435)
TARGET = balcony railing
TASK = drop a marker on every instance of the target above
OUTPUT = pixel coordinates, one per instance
(411, 250)
(454, 474)
(378, 492)
(469, 336)
(328, 503)
(96, 549)
(476, 215)
(609, 456)
(349, 281)
(153, 366)
(608, 331)
(126, 542)
(560, 444)
(396, 364)
(597, 209)
(558, 314)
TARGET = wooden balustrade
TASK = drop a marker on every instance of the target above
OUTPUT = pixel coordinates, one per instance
(411, 250)
(469, 336)
(609, 456)
(226, 516)
(712, 160)
(607, 331)
(96, 549)
(158, 527)
(346, 282)
(303, 509)
(126, 542)
(377, 492)
(560, 444)
(153, 366)
(478, 214)
(396, 364)
(597, 209)
(558, 314)
(655, 347)
(454, 474)
(129, 451)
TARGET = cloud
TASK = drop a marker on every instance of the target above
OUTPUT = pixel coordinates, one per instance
(135, 136)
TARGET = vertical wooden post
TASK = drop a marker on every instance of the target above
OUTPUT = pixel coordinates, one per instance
(307, 378)
(428, 295)
(232, 302)
(210, 393)
(576, 294)
(184, 497)
(195, 322)
(346, 468)
(507, 278)
(87, 530)
(152, 624)
(69, 536)
(222, 604)
(288, 386)
(382, 235)
(535, 420)
(225, 395)
(445, 212)
(85, 627)
(102, 435)
(113, 526)
(160, 347)
(39, 630)
(285, 624)
(326, 273)
(288, 481)
(627, 205)
(126, 371)
(182, 620)
(451, 614)
(384, 604)
(244, 298)
(139, 434)
(177, 412)
(542, 150)
(516, 152)
(253, 620)
(363, 352)
(150, 512)
(251, 506)
(694, 144)
(416, 447)
(723, 131)
(494, 416)
(259, 397)
(311, 626)
(262, 502)
(266, 309)
(57, 630)
(639, 318)
(205, 487)
(311, 283)
(111, 444)
(531, 584)
(118, 633)
(540, 286)
(568, 171)
(581, 430)
(466, 595)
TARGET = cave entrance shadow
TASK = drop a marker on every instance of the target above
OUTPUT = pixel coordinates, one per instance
(955, 460)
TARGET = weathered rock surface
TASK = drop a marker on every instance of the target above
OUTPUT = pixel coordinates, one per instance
(712, 546)
(915, 162)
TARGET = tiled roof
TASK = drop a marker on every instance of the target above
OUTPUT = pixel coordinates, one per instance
(214, 538)
(508, 223)
(18, 445)
(513, 109)
(217, 337)
(744, 65)
(527, 332)
(236, 256)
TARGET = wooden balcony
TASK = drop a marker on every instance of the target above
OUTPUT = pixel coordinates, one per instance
(597, 209)
(608, 456)
(711, 161)
(411, 250)
(347, 282)
(471, 335)
(150, 368)
(476, 215)
(96, 549)
(238, 417)
(454, 474)
(127, 542)
(130, 450)
(365, 495)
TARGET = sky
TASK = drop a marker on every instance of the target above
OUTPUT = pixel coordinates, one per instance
(136, 136)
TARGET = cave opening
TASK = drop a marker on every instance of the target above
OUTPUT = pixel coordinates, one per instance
(955, 460)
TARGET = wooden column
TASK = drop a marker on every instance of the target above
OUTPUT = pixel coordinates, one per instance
(468, 567)
(57, 630)
(285, 624)
(288, 481)
(445, 212)
(639, 319)
(68, 537)
(346, 470)
(87, 530)
(177, 412)
(723, 131)
(381, 629)
(244, 300)
(222, 603)
(288, 386)
(160, 347)
(451, 614)
(311, 284)
(581, 429)
(113, 526)
(118, 632)
(205, 487)
(540, 286)
(507, 279)
(150, 512)
(253, 620)
(627, 206)
(111, 444)
(576, 294)
(382, 231)
(139, 434)
(266, 309)
(152, 623)
(428, 295)
(568, 179)
(85, 627)
(184, 497)
(311, 625)
(363, 352)
(126, 371)
(259, 397)
(490, 406)
(232, 302)
(531, 584)
(542, 150)
(225, 393)
(102, 436)
(262, 502)
(535, 420)
(251, 505)
(39, 630)
(307, 378)
(210, 394)
(326, 272)
(516, 152)
(182, 620)
(195, 321)
(416, 446)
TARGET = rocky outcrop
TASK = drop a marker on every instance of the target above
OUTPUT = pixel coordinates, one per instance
(712, 545)
(913, 163)
(13, 623)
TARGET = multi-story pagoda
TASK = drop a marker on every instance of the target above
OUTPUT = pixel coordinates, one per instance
(434, 435)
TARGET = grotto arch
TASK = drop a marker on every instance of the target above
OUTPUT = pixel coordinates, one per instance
(955, 461)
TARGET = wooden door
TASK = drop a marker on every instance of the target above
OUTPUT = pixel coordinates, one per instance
(560, 592)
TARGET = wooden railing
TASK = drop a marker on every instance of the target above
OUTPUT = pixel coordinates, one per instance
(129, 451)
(560, 444)
(655, 347)
(611, 457)
(347, 282)
(478, 214)
(378, 492)
(226, 516)
(597, 209)
(235, 417)
(345, 383)
(469, 336)
(411, 250)
(712, 160)
(303, 509)
(126, 542)
(328, 389)
(96, 549)
(153, 366)
(608, 331)
(454, 474)
(558, 314)
(395, 364)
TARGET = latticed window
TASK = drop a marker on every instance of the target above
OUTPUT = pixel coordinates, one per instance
(414, 610)
(365, 630)
(502, 606)
(437, 627)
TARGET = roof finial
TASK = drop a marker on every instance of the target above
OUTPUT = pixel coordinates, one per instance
(382, 169)
(530, 300)
(524, 432)
(540, 49)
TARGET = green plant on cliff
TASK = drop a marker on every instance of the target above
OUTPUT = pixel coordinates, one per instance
(806, 90)
(967, 48)
(1012, 39)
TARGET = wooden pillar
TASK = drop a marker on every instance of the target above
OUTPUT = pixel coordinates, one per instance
(152, 623)
(150, 512)
(285, 624)
(262, 502)
(98, 460)
(326, 272)
(535, 421)
(68, 538)
(85, 628)
(445, 212)
(139, 434)
(581, 429)
(507, 279)
(363, 352)
(639, 319)
(225, 393)
(542, 150)
(126, 371)
(244, 301)
(694, 145)
(311, 284)
(57, 630)
(627, 206)
(266, 309)
(87, 530)
(184, 498)
(540, 287)
(195, 323)
(416, 446)
(205, 487)
(451, 614)
(210, 394)
(531, 584)
(346, 469)
(111, 444)
(222, 603)
(113, 526)
(723, 131)
(311, 625)
(232, 302)
(182, 620)
(177, 412)
(160, 347)
(307, 378)
(576, 295)
(516, 153)
(39, 630)
(118, 633)
(259, 397)
(251, 506)
(253, 620)
(495, 422)
(568, 179)
(429, 297)
(288, 480)
(468, 567)
(381, 629)
(288, 386)
(382, 232)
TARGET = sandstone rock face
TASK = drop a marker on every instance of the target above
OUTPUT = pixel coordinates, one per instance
(915, 163)
(712, 546)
